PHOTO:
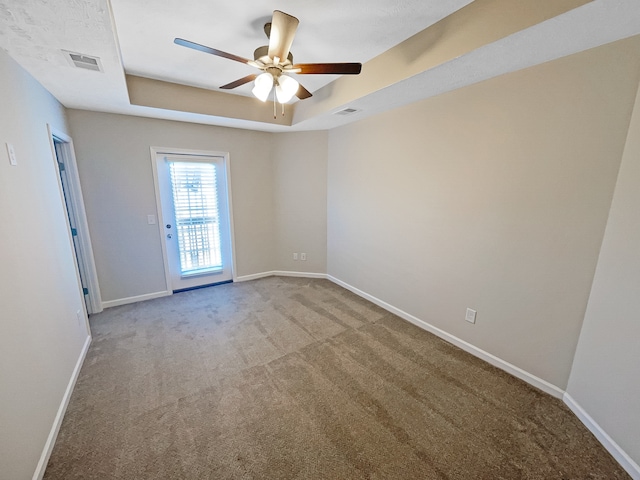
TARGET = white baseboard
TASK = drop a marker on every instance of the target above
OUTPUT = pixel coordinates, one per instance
(253, 276)
(279, 273)
(57, 422)
(603, 437)
(137, 298)
(467, 347)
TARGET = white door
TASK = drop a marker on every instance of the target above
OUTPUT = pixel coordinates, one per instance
(63, 155)
(195, 219)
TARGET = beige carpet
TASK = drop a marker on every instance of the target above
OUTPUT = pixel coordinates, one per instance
(285, 378)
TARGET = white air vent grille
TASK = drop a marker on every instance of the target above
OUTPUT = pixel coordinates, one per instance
(86, 62)
(347, 111)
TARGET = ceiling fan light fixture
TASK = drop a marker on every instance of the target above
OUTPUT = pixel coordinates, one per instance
(274, 60)
(286, 88)
(262, 86)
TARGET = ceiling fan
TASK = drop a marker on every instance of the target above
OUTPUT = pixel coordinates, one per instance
(276, 62)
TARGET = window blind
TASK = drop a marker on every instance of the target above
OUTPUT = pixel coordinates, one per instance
(195, 200)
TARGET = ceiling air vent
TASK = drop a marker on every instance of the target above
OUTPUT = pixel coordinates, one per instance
(347, 111)
(87, 62)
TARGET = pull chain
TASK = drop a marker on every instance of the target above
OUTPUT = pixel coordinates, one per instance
(275, 114)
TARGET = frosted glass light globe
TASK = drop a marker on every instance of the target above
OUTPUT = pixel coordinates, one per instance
(286, 88)
(262, 86)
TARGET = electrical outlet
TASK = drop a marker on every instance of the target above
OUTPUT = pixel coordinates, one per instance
(470, 316)
(295, 256)
(303, 256)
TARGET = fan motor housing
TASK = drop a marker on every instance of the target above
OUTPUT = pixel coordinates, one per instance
(262, 54)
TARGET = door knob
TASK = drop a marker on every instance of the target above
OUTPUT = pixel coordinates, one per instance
(168, 235)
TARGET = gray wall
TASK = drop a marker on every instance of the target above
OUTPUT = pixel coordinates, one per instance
(493, 197)
(41, 338)
(278, 187)
(116, 174)
(605, 378)
(300, 192)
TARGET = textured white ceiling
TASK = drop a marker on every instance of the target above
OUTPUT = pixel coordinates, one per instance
(136, 36)
(35, 33)
(329, 31)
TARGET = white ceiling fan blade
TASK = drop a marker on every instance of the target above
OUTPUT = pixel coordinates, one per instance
(283, 29)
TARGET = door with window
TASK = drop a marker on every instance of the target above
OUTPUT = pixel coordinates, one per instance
(195, 219)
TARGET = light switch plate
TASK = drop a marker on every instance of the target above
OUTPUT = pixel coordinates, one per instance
(12, 154)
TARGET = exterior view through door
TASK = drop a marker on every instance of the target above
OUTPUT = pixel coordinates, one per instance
(195, 219)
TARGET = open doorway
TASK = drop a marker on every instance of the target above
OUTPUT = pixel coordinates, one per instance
(64, 157)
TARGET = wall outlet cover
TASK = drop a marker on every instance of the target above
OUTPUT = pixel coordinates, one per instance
(470, 316)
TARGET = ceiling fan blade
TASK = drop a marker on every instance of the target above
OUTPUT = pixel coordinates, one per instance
(241, 81)
(212, 51)
(283, 29)
(302, 93)
(328, 68)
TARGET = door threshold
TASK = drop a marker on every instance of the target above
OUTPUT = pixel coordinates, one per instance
(202, 286)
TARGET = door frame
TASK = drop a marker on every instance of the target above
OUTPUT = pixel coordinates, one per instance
(155, 151)
(84, 258)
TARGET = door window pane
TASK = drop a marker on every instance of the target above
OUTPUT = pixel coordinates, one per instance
(195, 201)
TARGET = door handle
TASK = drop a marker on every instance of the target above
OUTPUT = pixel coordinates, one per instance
(168, 235)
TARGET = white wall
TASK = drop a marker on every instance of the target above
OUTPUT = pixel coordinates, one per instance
(300, 192)
(605, 378)
(41, 339)
(494, 197)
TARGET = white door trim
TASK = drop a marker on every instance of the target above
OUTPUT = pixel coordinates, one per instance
(155, 151)
(85, 250)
